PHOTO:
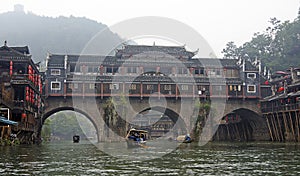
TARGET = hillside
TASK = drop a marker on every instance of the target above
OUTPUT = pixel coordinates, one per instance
(46, 34)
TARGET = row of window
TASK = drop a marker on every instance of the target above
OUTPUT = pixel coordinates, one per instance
(167, 71)
(56, 85)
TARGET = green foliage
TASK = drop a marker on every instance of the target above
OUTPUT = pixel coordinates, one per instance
(202, 114)
(65, 124)
(231, 51)
(46, 130)
(278, 46)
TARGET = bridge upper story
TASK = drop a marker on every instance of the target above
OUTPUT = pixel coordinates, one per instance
(153, 71)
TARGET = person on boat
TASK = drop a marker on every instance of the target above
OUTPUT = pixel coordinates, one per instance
(187, 138)
(142, 137)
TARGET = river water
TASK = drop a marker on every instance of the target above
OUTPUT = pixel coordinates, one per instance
(84, 158)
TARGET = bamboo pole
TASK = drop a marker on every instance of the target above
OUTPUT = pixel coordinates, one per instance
(245, 132)
(248, 131)
(238, 133)
(285, 124)
(297, 125)
(274, 128)
(270, 130)
(280, 128)
(228, 134)
(292, 126)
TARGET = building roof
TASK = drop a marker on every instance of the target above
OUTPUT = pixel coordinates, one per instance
(250, 67)
(175, 51)
(22, 49)
(6, 51)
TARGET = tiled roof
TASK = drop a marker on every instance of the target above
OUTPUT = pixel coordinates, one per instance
(142, 49)
(250, 67)
(22, 49)
(12, 51)
(56, 60)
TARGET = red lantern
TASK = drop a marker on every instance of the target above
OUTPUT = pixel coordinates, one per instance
(29, 72)
(10, 68)
(33, 77)
(267, 82)
(24, 115)
(281, 89)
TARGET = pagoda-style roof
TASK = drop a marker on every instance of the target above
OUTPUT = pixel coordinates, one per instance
(174, 51)
(22, 49)
(6, 51)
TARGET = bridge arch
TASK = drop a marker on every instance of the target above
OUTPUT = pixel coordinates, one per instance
(179, 125)
(242, 124)
(49, 113)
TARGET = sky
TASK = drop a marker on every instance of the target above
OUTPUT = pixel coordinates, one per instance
(218, 21)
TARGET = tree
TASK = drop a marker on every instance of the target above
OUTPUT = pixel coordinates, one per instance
(231, 51)
(278, 46)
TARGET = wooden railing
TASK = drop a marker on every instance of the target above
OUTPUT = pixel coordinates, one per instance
(276, 108)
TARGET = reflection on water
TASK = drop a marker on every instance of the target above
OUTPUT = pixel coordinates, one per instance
(188, 159)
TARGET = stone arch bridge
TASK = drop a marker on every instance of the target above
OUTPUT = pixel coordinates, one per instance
(184, 109)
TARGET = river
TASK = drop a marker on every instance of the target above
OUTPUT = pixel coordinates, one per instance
(84, 158)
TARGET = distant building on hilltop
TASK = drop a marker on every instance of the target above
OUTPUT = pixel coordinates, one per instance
(19, 8)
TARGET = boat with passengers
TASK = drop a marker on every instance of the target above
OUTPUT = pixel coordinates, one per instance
(136, 138)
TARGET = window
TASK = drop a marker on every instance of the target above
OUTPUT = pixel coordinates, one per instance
(218, 88)
(111, 70)
(251, 75)
(55, 71)
(184, 87)
(131, 70)
(92, 86)
(70, 86)
(239, 87)
(199, 71)
(83, 68)
(132, 87)
(298, 73)
(182, 71)
(149, 87)
(55, 85)
(251, 89)
(167, 87)
(113, 86)
(212, 73)
(75, 86)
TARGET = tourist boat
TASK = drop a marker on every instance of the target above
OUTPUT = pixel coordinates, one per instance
(136, 138)
(76, 138)
(184, 139)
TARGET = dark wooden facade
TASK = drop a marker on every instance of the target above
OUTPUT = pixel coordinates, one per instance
(20, 92)
(141, 71)
(282, 109)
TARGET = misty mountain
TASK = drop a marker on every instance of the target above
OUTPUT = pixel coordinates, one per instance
(55, 35)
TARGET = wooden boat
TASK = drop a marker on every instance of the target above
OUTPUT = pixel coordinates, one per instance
(76, 138)
(184, 139)
(136, 138)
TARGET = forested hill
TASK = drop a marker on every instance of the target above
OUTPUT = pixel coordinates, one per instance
(278, 46)
(56, 35)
